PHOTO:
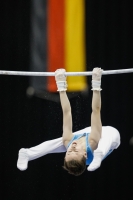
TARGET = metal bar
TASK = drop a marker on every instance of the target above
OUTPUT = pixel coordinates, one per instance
(86, 73)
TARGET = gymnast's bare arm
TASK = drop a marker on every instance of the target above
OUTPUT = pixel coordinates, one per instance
(96, 125)
(67, 118)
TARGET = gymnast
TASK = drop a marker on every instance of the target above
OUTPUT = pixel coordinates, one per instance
(88, 146)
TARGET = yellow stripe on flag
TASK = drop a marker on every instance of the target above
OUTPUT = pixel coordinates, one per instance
(75, 43)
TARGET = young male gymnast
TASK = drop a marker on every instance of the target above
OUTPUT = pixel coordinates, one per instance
(88, 146)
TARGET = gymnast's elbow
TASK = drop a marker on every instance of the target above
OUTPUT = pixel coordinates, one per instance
(96, 109)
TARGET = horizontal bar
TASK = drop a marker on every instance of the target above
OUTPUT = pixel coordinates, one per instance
(22, 73)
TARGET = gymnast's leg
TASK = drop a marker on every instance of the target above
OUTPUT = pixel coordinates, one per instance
(47, 147)
(109, 141)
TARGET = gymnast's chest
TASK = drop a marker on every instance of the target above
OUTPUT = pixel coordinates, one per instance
(82, 141)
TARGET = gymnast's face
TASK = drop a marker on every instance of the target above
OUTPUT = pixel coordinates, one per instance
(75, 151)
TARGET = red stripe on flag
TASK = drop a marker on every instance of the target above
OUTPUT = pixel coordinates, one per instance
(55, 25)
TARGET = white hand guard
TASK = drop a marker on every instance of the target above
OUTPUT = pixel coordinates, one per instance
(61, 80)
(96, 79)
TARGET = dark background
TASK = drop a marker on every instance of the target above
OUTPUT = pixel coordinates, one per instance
(25, 122)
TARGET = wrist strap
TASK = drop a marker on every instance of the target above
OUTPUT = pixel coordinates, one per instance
(96, 85)
(61, 85)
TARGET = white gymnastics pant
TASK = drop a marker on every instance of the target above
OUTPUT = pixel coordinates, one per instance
(110, 139)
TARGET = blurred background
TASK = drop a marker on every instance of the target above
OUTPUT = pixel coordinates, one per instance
(78, 35)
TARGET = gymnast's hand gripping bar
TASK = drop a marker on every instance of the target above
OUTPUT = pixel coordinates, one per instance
(86, 73)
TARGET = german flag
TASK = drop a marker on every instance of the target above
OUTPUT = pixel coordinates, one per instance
(64, 43)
